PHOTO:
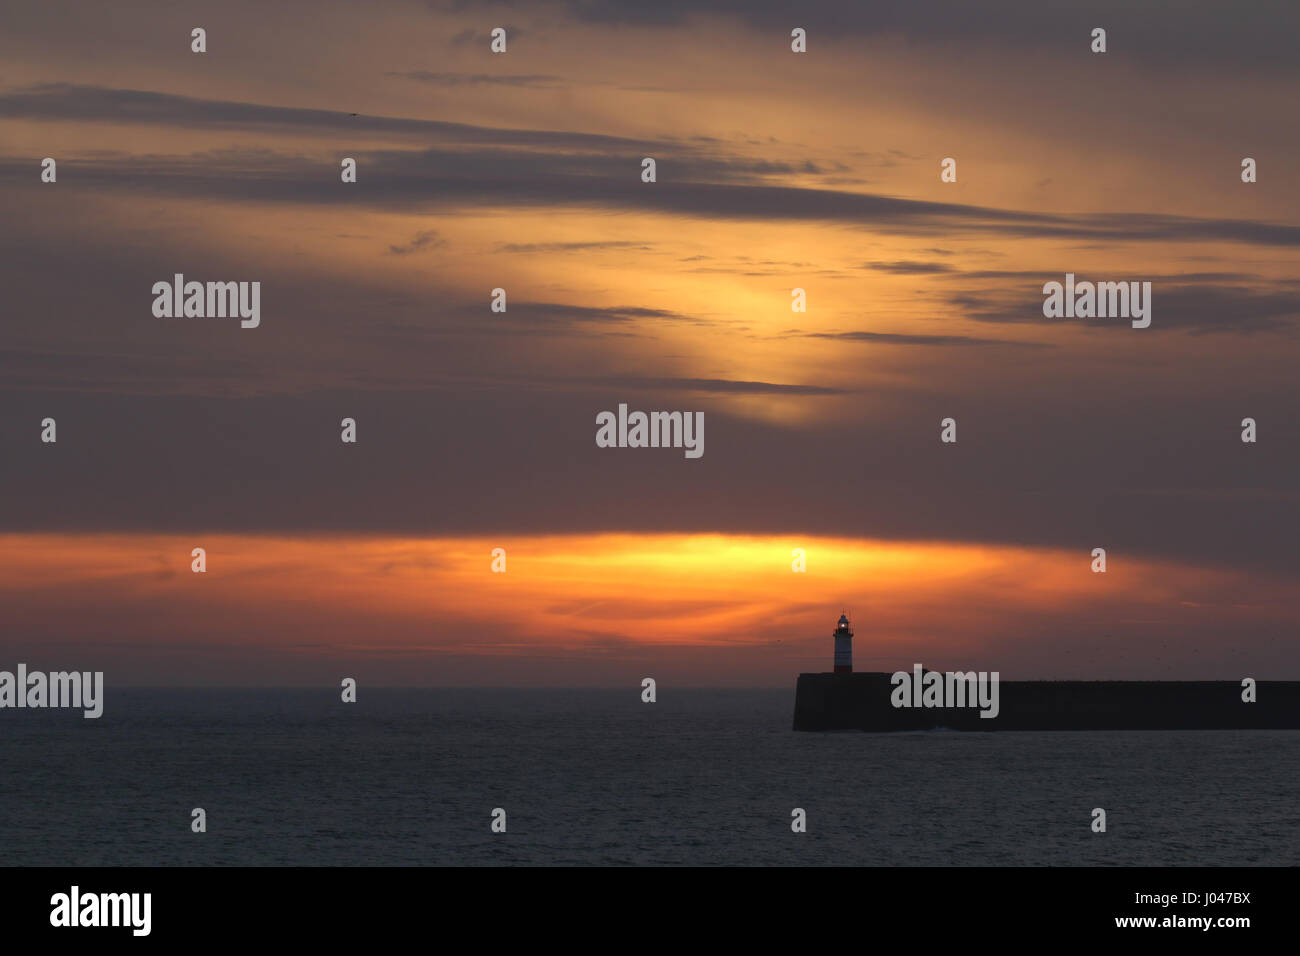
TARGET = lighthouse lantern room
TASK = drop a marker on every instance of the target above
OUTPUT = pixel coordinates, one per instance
(843, 646)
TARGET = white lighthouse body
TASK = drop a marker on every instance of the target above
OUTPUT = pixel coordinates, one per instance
(843, 646)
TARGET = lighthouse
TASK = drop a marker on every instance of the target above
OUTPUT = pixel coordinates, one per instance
(843, 646)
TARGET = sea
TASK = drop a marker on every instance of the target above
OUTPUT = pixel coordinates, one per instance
(416, 777)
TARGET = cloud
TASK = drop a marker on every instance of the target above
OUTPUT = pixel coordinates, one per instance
(1194, 306)
(909, 268)
(477, 79)
(721, 386)
(890, 338)
(1205, 33)
(477, 178)
(483, 166)
(561, 312)
(479, 167)
(451, 460)
(70, 102)
(556, 247)
(420, 242)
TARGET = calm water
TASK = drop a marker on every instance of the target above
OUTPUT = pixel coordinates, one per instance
(597, 777)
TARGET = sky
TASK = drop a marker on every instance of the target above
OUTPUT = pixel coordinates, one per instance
(476, 429)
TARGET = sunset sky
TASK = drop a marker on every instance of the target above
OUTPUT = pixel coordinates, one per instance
(476, 429)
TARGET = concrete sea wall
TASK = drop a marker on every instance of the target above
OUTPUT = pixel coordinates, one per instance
(862, 702)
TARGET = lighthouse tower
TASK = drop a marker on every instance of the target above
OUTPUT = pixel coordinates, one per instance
(843, 646)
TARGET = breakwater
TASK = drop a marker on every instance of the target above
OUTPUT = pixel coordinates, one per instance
(862, 701)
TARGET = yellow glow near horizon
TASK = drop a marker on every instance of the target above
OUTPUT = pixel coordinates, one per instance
(560, 591)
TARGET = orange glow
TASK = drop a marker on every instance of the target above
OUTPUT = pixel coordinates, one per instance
(569, 597)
